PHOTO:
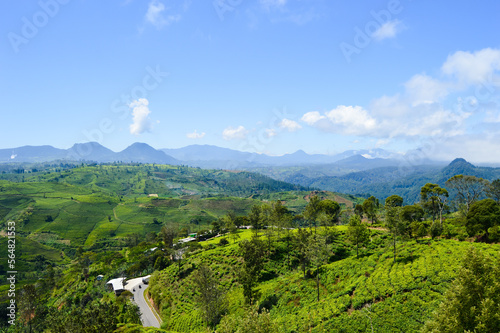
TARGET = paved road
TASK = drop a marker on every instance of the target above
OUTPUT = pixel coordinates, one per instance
(136, 287)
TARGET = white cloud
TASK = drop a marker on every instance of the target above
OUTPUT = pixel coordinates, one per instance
(473, 68)
(388, 30)
(140, 116)
(429, 108)
(350, 120)
(270, 132)
(155, 15)
(289, 125)
(195, 135)
(238, 133)
(474, 148)
(423, 89)
(355, 119)
(312, 117)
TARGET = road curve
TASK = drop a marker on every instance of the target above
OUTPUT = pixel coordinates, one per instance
(137, 287)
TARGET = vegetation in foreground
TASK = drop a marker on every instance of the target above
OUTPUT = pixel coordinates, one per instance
(385, 268)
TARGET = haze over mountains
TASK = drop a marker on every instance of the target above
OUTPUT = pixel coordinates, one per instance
(205, 156)
(358, 172)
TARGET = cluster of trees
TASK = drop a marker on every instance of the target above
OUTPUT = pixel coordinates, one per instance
(472, 304)
(477, 201)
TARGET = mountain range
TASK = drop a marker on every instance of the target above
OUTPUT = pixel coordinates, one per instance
(205, 156)
(359, 172)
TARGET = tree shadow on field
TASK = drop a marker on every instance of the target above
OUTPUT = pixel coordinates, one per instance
(407, 259)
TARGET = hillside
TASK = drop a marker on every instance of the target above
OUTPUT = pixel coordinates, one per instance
(356, 294)
(77, 222)
(104, 203)
(385, 181)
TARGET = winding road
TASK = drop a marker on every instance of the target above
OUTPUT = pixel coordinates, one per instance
(137, 287)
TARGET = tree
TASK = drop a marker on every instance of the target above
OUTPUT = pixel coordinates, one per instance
(483, 215)
(281, 216)
(469, 189)
(394, 201)
(493, 190)
(255, 218)
(330, 211)
(393, 221)
(370, 206)
(301, 242)
(253, 255)
(28, 303)
(210, 298)
(472, 304)
(229, 224)
(317, 252)
(312, 210)
(357, 232)
(358, 210)
(434, 197)
(413, 214)
(167, 235)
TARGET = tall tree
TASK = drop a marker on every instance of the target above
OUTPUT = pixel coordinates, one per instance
(301, 243)
(255, 218)
(252, 252)
(413, 214)
(469, 189)
(28, 303)
(358, 210)
(393, 221)
(312, 210)
(167, 235)
(434, 198)
(230, 225)
(472, 304)
(357, 232)
(317, 253)
(330, 211)
(370, 207)
(280, 216)
(493, 190)
(394, 201)
(483, 215)
(211, 297)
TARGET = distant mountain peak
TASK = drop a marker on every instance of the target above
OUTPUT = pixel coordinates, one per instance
(300, 152)
(458, 160)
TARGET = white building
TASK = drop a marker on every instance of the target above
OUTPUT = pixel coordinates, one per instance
(117, 285)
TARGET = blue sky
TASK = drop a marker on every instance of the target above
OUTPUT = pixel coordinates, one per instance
(270, 76)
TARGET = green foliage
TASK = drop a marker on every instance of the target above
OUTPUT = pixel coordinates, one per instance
(331, 211)
(482, 215)
(394, 201)
(468, 189)
(493, 190)
(473, 302)
(433, 198)
(357, 233)
(211, 299)
(370, 207)
(313, 209)
(250, 321)
(253, 255)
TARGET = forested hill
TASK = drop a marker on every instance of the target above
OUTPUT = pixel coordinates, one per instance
(385, 181)
(140, 179)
